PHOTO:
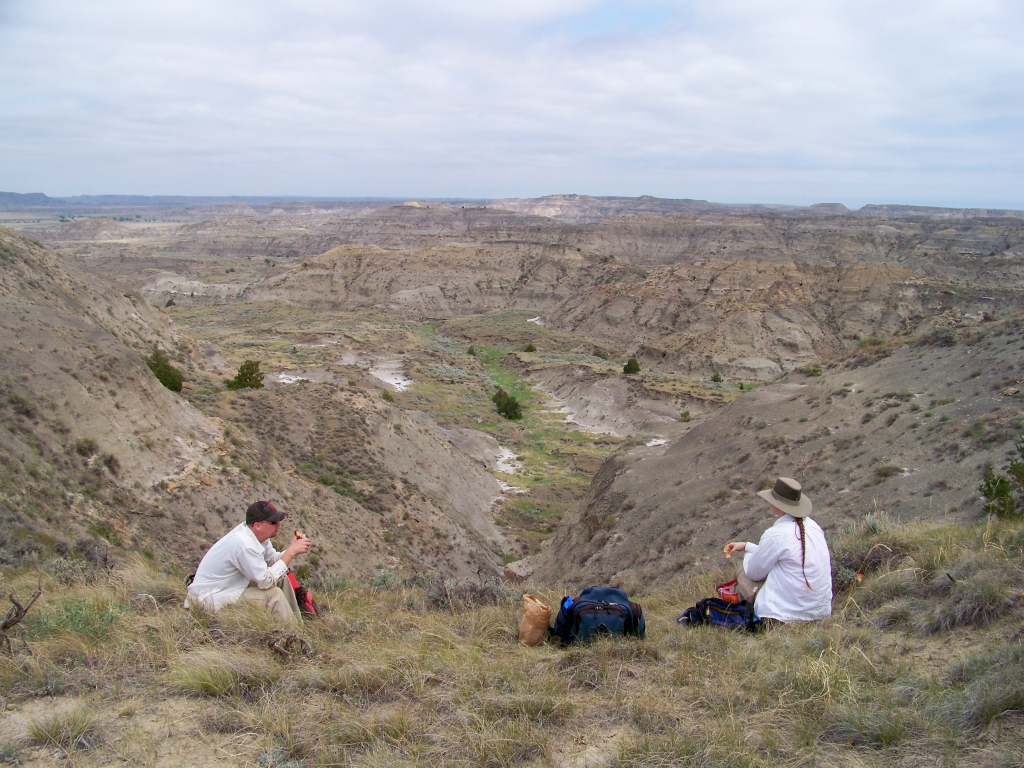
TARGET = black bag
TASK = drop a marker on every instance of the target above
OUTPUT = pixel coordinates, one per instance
(720, 613)
(596, 612)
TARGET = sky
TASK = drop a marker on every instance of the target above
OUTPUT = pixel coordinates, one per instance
(917, 102)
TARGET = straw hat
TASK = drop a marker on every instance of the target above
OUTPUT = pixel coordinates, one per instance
(788, 496)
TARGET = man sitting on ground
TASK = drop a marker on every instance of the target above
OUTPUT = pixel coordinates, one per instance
(244, 565)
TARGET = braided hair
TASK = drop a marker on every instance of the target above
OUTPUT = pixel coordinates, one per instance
(803, 550)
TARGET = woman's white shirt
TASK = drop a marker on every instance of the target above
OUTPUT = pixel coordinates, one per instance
(776, 560)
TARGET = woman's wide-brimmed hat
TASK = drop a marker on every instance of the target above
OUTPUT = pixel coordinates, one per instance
(788, 496)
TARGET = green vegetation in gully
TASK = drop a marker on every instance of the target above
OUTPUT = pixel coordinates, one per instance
(453, 387)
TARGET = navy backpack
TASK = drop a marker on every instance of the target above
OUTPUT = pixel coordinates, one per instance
(598, 611)
(720, 613)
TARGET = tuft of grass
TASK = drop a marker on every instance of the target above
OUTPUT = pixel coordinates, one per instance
(219, 673)
(869, 724)
(68, 730)
(94, 619)
(978, 600)
(984, 687)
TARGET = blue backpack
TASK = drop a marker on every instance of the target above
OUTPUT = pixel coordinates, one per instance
(720, 613)
(596, 612)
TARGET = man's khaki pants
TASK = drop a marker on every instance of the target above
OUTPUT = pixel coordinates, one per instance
(745, 585)
(280, 600)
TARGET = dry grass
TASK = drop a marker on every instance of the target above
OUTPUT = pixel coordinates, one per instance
(68, 730)
(397, 682)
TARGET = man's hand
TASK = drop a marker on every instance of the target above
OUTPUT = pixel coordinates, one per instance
(297, 547)
(734, 546)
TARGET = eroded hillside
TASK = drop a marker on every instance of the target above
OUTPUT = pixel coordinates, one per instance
(903, 428)
(97, 450)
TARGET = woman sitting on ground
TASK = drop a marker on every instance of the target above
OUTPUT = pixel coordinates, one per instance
(788, 573)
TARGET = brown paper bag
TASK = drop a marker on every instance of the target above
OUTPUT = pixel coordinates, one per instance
(534, 626)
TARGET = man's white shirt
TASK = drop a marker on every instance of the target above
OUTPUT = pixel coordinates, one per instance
(776, 559)
(233, 564)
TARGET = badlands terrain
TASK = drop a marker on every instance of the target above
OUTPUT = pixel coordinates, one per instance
(725, 308)
(877, 355)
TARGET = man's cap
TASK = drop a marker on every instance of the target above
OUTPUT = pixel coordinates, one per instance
(788, 496)
(263, 510)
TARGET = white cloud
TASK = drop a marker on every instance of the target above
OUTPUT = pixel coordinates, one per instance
(743, 100)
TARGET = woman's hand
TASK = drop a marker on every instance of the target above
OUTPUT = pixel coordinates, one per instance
(734, 546)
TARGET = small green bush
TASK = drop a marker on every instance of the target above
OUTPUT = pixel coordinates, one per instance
(507, 405)
(249, 376)
(471, 350)
(85, 446)
(529, 348)
(941, 337)
(385, 395)
(165, 373)
(717, 378)
(684, 416)
(1004, 494)
(631, 366)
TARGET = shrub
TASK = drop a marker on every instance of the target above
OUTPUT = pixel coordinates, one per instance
(111, 462)
(810, 370)
(684, 416)
(717, 378)
(386, 580)
(165, 373)
(85, 446)
(507, 405)
(598, 352)
(249, 376)
(941, 337)
(104, 530)
(1004, 494)
(385, 395)
(471, 350)
(631, 366)
(22, 405)
(887, 471)
(169, 302)
(529, 348)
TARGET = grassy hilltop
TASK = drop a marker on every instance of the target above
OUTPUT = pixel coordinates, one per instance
(922, 663)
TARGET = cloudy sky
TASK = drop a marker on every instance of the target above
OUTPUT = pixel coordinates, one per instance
(919, 101)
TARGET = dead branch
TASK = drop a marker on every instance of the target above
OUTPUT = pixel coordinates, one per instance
(14, 616)
(285, 644)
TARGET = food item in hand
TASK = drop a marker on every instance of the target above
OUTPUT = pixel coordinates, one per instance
(728, 552)
(299, 534)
